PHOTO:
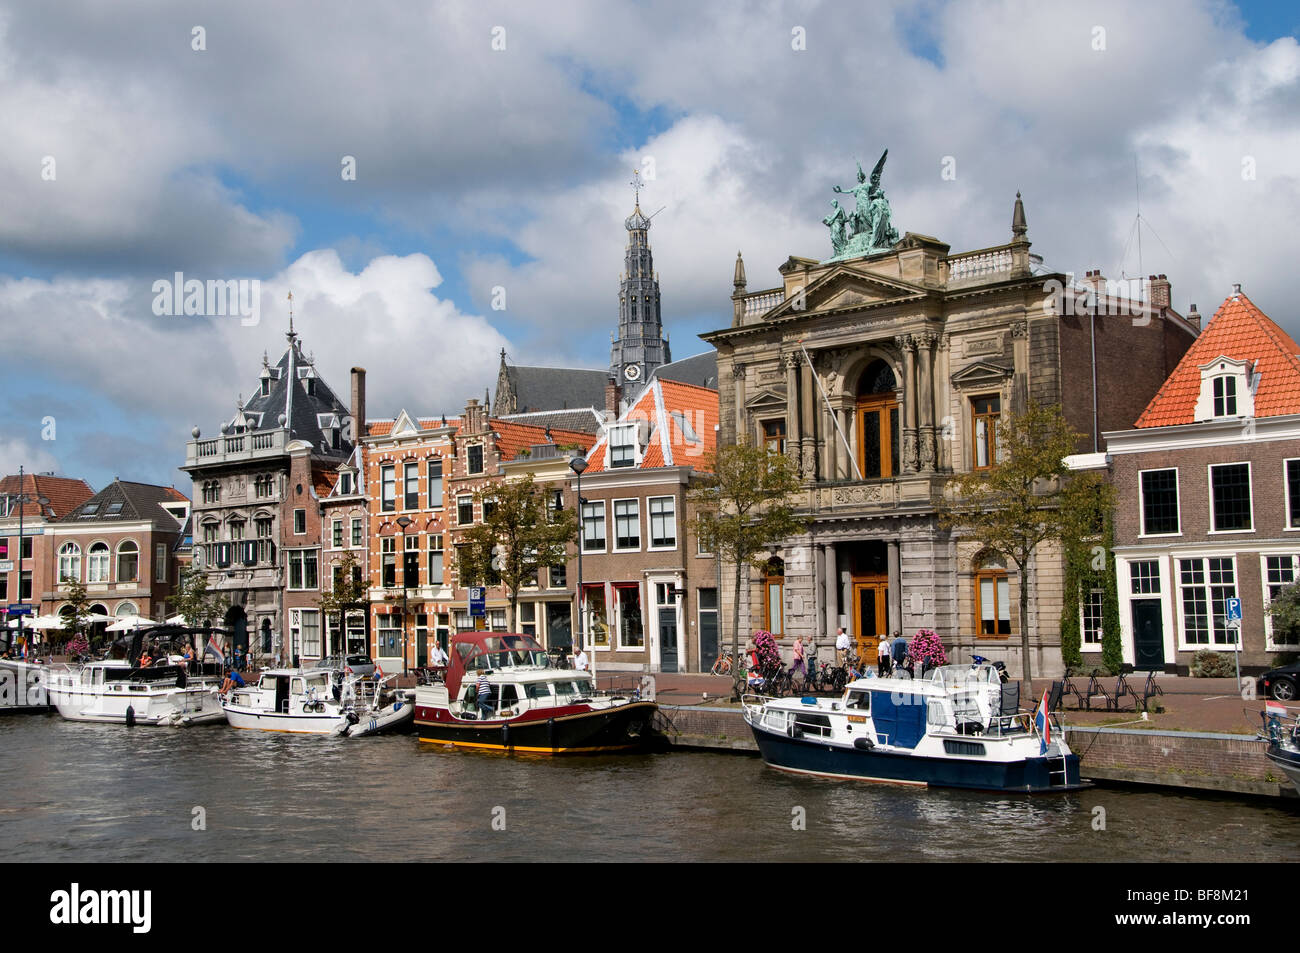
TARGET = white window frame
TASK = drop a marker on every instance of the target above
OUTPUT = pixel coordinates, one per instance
(482, 459)
(388, 488)
(1209, 492)
(410, 484)
(1142, 504)
(1292, 520)
(636, 516)
(431, 482)
(616, 439)
(461, 501)
(1270, 645)
(582, 526)
(358, 536)
(1180, 615)
(436, 546)
(105, 573)
(336, 534)
(301, 555)
(1084, 644)
(617, 642)
(651, 545)
(303, 616)
(296, 530)
(73, 557)
(160, 562)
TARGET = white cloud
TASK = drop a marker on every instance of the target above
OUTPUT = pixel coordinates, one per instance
(16, 452)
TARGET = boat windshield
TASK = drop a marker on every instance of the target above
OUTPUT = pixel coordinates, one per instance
(516, 658)
(577, 688)
(953, 675)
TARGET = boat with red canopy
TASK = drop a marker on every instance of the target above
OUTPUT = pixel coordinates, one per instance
(530, 706)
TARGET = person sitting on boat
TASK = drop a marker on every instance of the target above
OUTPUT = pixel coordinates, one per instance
(439, 658)
(233, 680)
(145, 659)
(484, 696)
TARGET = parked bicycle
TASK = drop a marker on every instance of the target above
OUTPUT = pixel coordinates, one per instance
(723, 664)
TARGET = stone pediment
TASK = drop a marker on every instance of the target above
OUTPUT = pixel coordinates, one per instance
(764, 400)
(405, 426)
(981, 374)
(844, 289)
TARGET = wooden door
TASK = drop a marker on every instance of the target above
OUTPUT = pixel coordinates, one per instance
(870, 616)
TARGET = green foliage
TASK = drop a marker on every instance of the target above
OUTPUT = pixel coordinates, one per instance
(532, 536)
(742, 504)
(1210, 664)
(349, 587)
(1028, 498)
(75, 621)
(194, 602)
(1285, 610)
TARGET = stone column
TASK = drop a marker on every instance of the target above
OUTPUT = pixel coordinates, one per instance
(808, 416)
(831, 577)
(895, 589)
(792, 432)
(830, 446)
(818, 598)
(925, 346)
(906, 344)
(845, 469)
(738, 374)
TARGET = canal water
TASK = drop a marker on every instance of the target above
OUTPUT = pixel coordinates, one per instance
(78, 792)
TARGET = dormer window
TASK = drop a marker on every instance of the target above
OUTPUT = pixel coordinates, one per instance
(1227, 389)
(1225, 397)
(266, 385)
(622, 447)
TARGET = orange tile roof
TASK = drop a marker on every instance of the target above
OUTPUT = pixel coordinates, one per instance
(1241, 331)
(64, 493)
(681, 415)
(513, 437)
(382, 428)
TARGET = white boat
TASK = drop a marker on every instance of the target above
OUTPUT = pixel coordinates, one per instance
(1283, 742)
(952, 729)
(23, 686)
(315, 701)
(116, 692)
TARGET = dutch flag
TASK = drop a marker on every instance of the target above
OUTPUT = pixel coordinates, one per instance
(214, 649)
(1044, 726)
(1274, 709)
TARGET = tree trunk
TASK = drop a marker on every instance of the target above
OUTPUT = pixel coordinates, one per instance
(1027, 665)
(737, 670)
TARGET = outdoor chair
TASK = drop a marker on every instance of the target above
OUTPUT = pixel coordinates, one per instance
(1097, 690)
(1054, 695)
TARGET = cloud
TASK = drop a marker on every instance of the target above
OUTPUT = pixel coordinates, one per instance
(16, 452)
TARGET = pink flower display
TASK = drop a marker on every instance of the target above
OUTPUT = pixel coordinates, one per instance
(926, 649)
(768, 654)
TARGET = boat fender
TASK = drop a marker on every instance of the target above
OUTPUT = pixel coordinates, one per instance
(550, 732)
(505, 736)
(130, 716)
(863, 744)
(796, 731)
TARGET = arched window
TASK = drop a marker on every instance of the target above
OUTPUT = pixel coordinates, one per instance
(877, 421)
(70, 563)
(125, 609)
(97, 563)
(992, 597)
(774, 598)
(128, 561)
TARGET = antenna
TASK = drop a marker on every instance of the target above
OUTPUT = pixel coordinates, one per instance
(1136, 228)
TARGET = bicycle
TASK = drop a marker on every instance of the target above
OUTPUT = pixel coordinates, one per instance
(722, 665)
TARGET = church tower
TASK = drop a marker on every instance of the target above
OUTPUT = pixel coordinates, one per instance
(640, 345)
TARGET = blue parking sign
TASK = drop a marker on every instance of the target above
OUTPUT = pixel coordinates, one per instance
(477, 602)
(1234, 609)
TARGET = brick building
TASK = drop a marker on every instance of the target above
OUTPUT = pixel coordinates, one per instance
(121, 544)
(649, 595)
(883, 375)
(1208, 483)
(24, 519)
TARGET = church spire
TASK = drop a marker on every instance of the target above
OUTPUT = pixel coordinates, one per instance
(640, 345)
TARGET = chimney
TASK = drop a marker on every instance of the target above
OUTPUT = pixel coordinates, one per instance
(613, 394)
(1194, 318)
(1095, 281)
(359, 402)
(1158, 296)
(473, 416)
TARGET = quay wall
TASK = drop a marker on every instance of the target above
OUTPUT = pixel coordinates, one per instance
(1196, 761)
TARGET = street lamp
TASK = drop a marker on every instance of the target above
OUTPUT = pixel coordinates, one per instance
(577, 464)
(22, 498)
(404, 521)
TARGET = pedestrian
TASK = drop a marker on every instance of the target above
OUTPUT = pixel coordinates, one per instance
(842, 645)
(484, 696)
(883, 666)
(798, 665)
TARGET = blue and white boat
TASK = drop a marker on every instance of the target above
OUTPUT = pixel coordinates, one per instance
(956, 728)
(1283, 742)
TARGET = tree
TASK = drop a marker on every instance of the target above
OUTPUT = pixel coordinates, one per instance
(1028, 498)
(194, 602)
(348, 592)
(1285, 610)
(75, 620)
(519, 536)
(742, 502)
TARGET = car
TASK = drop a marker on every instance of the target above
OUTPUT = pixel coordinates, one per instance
(1281, 682)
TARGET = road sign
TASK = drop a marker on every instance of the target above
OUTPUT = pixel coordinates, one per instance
(20, 610)
(477, 602)
(1234, 609)
(6, 565)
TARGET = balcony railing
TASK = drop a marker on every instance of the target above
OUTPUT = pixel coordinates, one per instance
(236, 448)
(760, 302)
(984, 263)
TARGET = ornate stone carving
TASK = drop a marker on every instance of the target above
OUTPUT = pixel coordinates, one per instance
(793, 360)
(808, 465)
(872, 493)
(738, 371)
(927, 449)
(925, 339)
(904, 342)
(1019, 329)
(945, 340)
(909, 451)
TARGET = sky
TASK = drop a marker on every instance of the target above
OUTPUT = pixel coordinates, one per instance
(437, 181)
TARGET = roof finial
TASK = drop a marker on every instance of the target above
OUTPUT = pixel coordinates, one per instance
(1018, 224)
(291, 335)
(738, 281)
(637, 184)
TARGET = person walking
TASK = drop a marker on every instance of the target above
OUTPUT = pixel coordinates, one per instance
(883, 666)
(798, 663)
